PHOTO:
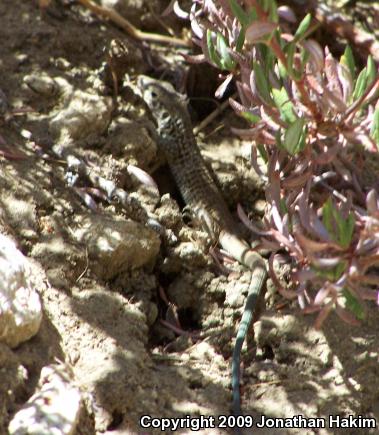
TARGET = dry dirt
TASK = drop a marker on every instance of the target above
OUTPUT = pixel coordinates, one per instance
(102, 317)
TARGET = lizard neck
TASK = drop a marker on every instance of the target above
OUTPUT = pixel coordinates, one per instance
(174, 129)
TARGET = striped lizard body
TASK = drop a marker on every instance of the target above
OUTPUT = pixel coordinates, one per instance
(201, 194)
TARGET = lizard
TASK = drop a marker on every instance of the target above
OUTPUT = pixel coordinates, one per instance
(202, 196)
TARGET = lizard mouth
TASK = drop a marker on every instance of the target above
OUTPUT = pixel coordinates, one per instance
(145, 82)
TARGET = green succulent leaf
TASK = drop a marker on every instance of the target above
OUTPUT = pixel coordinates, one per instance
(331, 274)
(253, 119)
(223, 49)
(360, 84)
(219, 52)
(239, 13)
(284, 105)
(290, 50)
(327, 216)
(371, 71)
(305, 55)
(340, 230)
(262, 83)
(294, 137)
(346, 230)
(348, 60)
(339, 223)
(352, 304)
(215, 58)
(339, 270)
(365, 78)
(270, 7)
(283, 207)
(262, 152)
(278, 140)
(252, 15)
(273, 11)
(303, 27)
(269, 57)
(240, 40)
(375, 128)
(283, 73)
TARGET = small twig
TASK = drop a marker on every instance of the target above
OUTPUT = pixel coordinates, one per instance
(128, 27)
(220, 108)
(263, 384)
(160, 21)
(177, 330)
(163, 296)
(85, 269)
(223, 269)
(12, 155)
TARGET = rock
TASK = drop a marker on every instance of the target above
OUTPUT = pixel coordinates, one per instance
(80, 113)
(41, 84)
(129, 139)
(117, 245)
(20, 306)
(54, 409)
(20, 214)
(83, 114)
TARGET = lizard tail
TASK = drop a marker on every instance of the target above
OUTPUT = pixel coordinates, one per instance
(257, 281)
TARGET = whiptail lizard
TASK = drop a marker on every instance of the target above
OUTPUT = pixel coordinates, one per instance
(201, 194)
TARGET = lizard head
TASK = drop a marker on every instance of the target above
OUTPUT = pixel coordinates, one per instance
(166, 105)
(156, 93)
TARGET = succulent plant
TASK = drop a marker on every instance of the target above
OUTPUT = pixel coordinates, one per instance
(314, 120)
